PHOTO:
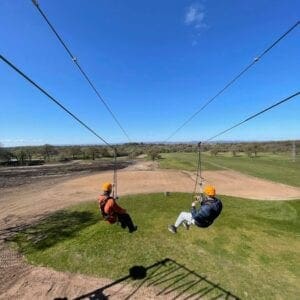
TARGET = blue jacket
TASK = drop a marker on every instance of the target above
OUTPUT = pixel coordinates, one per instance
(209, 210)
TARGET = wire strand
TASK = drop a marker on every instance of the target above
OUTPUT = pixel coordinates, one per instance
(254, 116)
(75, 60)
(233, 80)
(54, 100)
(199, 169)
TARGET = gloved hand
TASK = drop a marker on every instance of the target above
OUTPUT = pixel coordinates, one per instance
(194, 203)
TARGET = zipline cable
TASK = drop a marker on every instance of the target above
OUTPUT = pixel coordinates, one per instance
(233, 80)
(54, 100)
(199, 168)
(254, 115)
(65, 109)
(74, 59)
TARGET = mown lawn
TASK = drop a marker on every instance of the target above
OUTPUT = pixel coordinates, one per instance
(183, 161)
(278, 168)
(252, 250)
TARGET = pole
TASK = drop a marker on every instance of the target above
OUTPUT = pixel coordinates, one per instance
(294, 151)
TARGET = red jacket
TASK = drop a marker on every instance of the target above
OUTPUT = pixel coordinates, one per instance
(111, 208)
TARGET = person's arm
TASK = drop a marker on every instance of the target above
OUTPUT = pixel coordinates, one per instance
(118, 209)
(99, 202)
(193, 209)
(203, 199)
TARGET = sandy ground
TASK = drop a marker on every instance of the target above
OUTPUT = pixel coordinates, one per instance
(23, 205)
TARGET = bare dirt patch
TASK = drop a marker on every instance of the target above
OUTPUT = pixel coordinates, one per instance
(16, 176)
(25, 204)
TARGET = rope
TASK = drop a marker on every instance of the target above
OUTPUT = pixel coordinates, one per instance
(233, 80)
(255, 115)
(115, 183)
(75, 60)
(199, 170)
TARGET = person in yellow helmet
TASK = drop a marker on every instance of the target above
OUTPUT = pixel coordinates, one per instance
(210, 209)
(111, 211)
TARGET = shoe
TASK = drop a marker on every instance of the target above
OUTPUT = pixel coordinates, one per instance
(172, 229)
(186, 225)
(133, 229)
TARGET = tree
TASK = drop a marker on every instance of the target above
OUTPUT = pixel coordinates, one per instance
(255, 149)
(28, 151)
(21, 155)
(153, 154)
(134, 154)
(248, 150)
(93, 152)
(104, 152)
(4, 154)
(47, 151)
(234, 150)
(85, 152)
(214, 151)
(75, 151)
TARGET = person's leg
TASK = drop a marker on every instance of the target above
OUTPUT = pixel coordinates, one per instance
(126, 221)
(184, 217)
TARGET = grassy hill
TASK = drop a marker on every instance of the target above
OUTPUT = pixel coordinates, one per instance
(252, 250)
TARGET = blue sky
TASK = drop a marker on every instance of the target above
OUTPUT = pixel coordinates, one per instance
(155, 63)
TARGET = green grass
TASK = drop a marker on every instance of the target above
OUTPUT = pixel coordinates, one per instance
(252, 250)
(183, 161)
(278, 168)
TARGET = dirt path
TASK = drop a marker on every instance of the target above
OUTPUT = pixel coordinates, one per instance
(44, 283)
(23, 205)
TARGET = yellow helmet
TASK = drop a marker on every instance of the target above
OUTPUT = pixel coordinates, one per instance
(210, 191)
(106, 186)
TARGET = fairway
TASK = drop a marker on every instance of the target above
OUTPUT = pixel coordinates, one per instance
(278, 168)
(253, 243)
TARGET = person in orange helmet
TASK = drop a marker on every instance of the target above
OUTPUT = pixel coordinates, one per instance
(210, 209)
(111, 211)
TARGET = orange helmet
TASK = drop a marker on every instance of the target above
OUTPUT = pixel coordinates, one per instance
(106, 186)
(210, 191)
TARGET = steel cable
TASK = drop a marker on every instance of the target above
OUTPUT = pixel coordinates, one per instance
(233, 80)
(75, 60)
(254, 116)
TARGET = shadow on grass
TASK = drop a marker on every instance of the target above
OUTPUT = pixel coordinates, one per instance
(52, 229)
(169, 279)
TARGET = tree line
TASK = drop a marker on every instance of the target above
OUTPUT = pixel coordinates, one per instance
(46, 153)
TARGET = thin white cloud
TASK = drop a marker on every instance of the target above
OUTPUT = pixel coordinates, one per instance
(195, 15)
(20, 142)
